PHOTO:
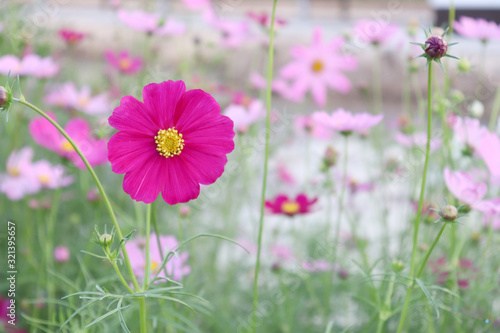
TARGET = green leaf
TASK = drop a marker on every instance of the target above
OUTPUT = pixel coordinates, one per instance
(426, 292)
(80, 309)
(106, 315)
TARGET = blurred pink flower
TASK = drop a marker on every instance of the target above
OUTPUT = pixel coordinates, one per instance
(416, 140)
(176, 266)
(150, 23)
(318, 67)
(51, 176)
(489, 207)
(470, 132)
(69, 97)
(375, 32)
(19, 180)
(278, 86)
(355, 186)
(124, 62)
(234, 33)
(243, 117)
(346, 122)
(290, 207)
(306, 124)
(285, 175)
(71, 37)
(8, 313)
(30, 65)
(489, 150)
(282, 252)
(47, 136)
(264, 19)
(463, 187)
(477, 28)
(197, 4)
(61, 254)
(317, 266)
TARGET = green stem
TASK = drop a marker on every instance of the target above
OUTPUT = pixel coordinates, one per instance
(430, 251)
(341, 196)
(96, 180)
(494, 110)
(50, 251)
(420, 203)
(377, 82)
(264, 179)
(117, 270)
(148, 257)
(142, 311)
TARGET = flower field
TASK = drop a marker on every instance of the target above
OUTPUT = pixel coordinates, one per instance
(226, 166)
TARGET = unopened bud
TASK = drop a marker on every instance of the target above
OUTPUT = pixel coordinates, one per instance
(5, 98)
(397, 265)
(476, 109)
(449, 213)
(106, 239)
(436, 47)
(464, 65)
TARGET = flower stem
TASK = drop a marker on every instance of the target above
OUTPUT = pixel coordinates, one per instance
(420, 203)
(430, 251)
(264, 179)
(341, 196)
(494, 110)
(142, 311)
(148, 258)
(96, 180)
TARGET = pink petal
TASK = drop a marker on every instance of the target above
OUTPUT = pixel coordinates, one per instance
(161, 100)
(134, 116)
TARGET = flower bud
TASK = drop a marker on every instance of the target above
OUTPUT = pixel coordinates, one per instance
(464, 65)
(457, 96)
(5, 98)
(449, 213)
(343, 273)
(106, 239)
(436, 47)
(397, 265)
(184, 210)
(476, 109)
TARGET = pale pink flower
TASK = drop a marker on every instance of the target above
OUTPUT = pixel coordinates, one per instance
(71, 37)
(69, 97)
(282, 252)
(278, 86)
(285, 175)
(306, 124)
(50, 176)
(470, 132)
(197, 4)
(416, 140)
(30, 65)
(124, 62)
(375, 32)
(12, 64)
(47, 136)
(243, 117)
(463, 187)
(176, 266)
(61, 254)
(150, 23)
(264, 19)
(489, 207)
(477, 28)
(19, 180)
(489, 150)
(234, 33)
(319, 67)
(317, 266)
(346, 122)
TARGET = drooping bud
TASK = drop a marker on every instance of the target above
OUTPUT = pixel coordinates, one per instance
(106, 239)
(436, 47)
(449, 213)
(5, 98)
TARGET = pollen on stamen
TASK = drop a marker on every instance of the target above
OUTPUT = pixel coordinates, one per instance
(169, 142)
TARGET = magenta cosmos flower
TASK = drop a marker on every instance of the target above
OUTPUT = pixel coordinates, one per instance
(283, 205)
(70, 36)
(47, 136)
(347, 122)
(318, 67)
(171, 143)
(477, 28)
(124, 62)
(375, 32)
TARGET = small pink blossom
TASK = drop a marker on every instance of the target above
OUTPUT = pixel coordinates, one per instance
(344, 121)
(281, 204)
(176, 266)
(71, 37)
(285, 175)
(416, 140)
(375, 32)
(30, 65)
(244, 117)
(319, 67)
(264, 19)
(150, 23)
(197, 4)
(489, 207)
(51, 176)
(477, 28)
(306, 124)
(124, 62)
(317, 266)
(282, 252)
(19, 180)
(355, 186)
(61, 254)
(47, 136)
(234, 33)
(489, 150)
(69, 97)
(463, 187)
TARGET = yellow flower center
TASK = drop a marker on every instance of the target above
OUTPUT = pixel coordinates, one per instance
(125, 63)
(67, 147)
(14, 172)
(317, 66)
(44, 179)
(290, 207)
(169, 142)
(154, 267)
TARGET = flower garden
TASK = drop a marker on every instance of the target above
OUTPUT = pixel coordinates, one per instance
(218, 168)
